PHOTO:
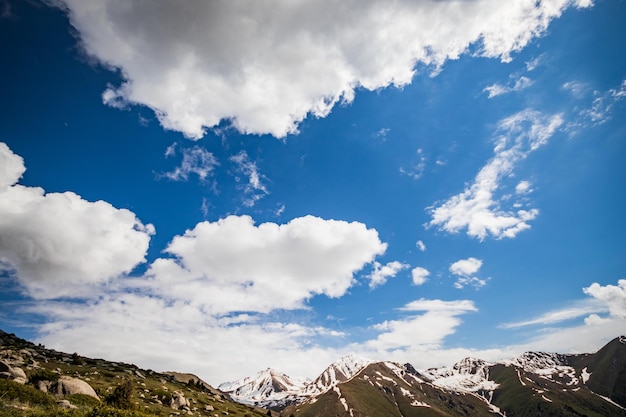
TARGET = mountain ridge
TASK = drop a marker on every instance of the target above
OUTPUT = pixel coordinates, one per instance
(595, 383)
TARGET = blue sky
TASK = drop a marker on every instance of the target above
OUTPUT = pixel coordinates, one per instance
(226, 187)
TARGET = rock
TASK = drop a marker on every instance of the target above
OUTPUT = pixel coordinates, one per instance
(66, 404)
(18, 375)
(67, 385)
(209, 408)
(13, 373)
(179, 401)
(43, 386)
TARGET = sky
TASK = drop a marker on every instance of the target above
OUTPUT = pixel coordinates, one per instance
(221, 187)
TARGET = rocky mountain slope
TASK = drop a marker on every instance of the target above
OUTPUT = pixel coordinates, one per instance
(534, 384)
(38, 382)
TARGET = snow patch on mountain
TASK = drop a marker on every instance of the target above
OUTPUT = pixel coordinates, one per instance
(468, 375)
(585, 375)
(551, 366)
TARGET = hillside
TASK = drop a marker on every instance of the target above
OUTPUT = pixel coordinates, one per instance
(38, 382)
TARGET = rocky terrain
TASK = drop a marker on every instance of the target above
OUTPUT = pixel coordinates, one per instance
(35, 381)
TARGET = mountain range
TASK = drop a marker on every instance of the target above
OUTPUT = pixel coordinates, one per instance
(533, 384)
(36, 382)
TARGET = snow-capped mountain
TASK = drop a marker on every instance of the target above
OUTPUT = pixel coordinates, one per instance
(270, 388)
(267, 388)
(339, 371)
(535, 383)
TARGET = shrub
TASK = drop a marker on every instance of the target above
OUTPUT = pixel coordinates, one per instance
(12, 391)
(43, 374)
(121, 395)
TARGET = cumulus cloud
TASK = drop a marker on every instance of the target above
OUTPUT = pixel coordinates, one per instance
(497, 89)
(523, 187)
(266, 66)
(11, 167)
(419, 275)
(465, 269)
(613, 296)
(234, 265)
(478, 208)
(381, 273)
(58, 244)
(196, 160)
(253, 188)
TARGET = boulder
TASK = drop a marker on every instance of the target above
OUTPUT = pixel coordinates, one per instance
(67, 385)
(18, 375)
(13, 373)
(179, 401)
(43, 386)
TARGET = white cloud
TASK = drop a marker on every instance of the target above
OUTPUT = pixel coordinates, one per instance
(429, 329)
(614, 296)
(235, 265)
(266, 66)
(467, 266)
(196, 160)
(520, 84)
(600, 110)
(534, 63)
(577, 88)
(558, 316)
(381, 273)
(58, 244)
(464, 269)
(417, 170)
(253, 189)
(419, 275)
(420, 245)
(523, 187)
(478, 208)
(606, 319)
(11, 167)
(164, 335)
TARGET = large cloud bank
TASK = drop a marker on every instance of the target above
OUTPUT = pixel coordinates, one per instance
(265, 66)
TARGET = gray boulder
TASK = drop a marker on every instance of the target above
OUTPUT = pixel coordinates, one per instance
(179, 402)
(67, 385)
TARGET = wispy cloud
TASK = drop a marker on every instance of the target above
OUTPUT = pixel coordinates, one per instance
(600, 110)
(253, 188)
(196, 160)
(416, 170)
(420, 245)
(521, 83)
(478, 208)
